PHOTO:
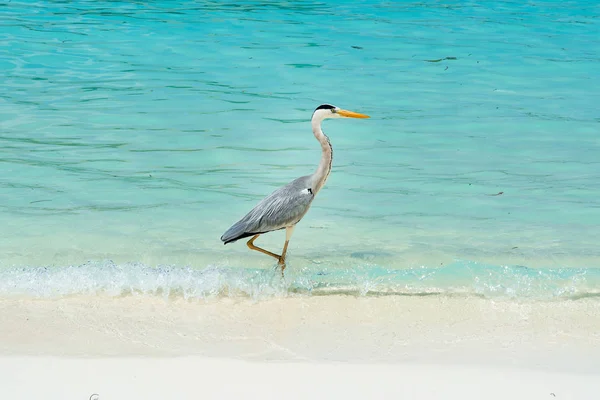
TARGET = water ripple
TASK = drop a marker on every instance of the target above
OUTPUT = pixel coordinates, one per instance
(177, 111)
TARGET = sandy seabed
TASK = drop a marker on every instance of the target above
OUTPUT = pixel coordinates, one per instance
(424, 347)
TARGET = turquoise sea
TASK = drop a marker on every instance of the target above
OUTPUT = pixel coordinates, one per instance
(133, 134)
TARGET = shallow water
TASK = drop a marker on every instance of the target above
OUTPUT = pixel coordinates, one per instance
(136, 134)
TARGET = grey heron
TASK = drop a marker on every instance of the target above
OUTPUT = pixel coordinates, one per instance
(286, 206)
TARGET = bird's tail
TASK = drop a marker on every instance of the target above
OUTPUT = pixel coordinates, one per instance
(237, 231)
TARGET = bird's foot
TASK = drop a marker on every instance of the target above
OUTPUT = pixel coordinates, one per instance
(281, 264)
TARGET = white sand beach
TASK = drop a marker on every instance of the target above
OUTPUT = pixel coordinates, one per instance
(424, 347)
(205, 378)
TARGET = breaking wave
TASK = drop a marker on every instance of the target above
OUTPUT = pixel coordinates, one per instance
(460, 278)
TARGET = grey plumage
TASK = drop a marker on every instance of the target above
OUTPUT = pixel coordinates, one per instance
(282, 208)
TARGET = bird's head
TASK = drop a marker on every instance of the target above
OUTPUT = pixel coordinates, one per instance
(325, 111)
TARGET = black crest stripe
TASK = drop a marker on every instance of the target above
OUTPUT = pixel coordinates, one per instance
(325, 107)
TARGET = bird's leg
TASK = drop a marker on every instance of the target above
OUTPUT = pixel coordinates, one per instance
(288, 235)
(253, 247)
(282, 258)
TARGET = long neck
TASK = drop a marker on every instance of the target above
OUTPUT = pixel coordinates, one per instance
(324, 168)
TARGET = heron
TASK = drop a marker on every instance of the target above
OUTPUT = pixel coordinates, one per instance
(286, 206)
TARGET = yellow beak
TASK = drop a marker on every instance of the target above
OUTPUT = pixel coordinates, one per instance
(351, 114)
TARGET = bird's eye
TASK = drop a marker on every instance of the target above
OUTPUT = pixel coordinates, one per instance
(333, 110)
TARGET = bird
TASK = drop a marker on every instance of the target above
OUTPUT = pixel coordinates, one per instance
(286, 206)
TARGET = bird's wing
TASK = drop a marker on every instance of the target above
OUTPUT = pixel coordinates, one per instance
(284, 207)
